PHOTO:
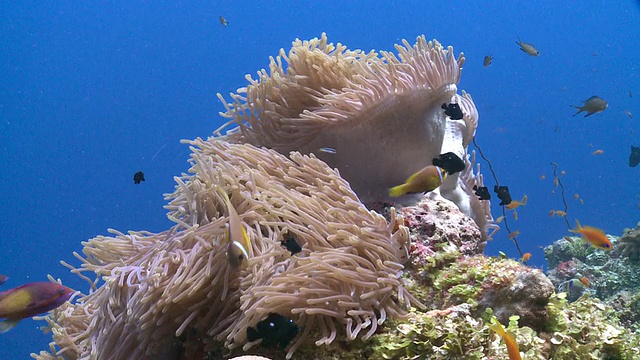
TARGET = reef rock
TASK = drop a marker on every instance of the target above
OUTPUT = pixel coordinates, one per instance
(526, 296)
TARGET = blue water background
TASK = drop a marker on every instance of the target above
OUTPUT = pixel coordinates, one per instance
(91, 92)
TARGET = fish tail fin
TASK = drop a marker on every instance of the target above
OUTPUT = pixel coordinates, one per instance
(8, 325)
(524, 200)
(498, 328)
(397, 191)
(224, 195)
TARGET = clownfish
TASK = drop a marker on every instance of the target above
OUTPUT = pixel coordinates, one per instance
(425, 180)
(236, 236)
(593, 235)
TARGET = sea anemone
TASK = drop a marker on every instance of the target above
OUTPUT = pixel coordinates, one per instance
(379, 114)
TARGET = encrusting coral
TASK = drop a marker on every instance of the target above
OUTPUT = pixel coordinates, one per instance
(166, 291)
(380, 115)
(629, 244)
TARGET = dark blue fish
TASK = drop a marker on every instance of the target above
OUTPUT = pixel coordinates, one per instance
(274, 330)
(503, 194)
(482, 192)
(450, 162)
(453, 111)
(290, 242)
(634, 158)
(138, 177)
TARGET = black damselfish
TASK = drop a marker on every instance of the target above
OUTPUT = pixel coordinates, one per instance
(138, 177)
(290, 242)
(453, 111)
(503, 194)
(274, 330)
(450, 162)
(482, 192)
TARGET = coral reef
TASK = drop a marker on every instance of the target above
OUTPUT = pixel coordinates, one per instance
(585, 329)
(578, 268)
(629, 244)
(410, 283)
(379, 113)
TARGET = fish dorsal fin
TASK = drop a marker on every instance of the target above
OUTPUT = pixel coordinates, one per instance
(245, 238)
(8, 325)
(578, 226)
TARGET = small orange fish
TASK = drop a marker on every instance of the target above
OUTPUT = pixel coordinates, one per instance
(223, 21)
(576, 196)
(598, 152)
(509, 340)
(499, 220)
(513, 234)
(515, 215)
(585, 281)
(556, 181)
(581, 202)
(543, 176)
(559, 213)
(516, 204)
(595, 236)
(526, 257)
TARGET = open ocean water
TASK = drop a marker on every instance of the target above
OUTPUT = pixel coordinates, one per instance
(91, 92)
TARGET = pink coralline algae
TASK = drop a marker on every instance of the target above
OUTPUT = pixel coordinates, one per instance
(434, 223)
(566, 269)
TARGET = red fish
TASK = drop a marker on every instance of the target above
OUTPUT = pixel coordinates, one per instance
(30, 300)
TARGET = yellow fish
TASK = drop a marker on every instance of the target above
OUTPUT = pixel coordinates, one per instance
(236, 236)
(425, 180)
(509, 340)
(528, 48)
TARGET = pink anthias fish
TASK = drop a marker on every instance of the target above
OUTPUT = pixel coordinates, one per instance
(29, 300)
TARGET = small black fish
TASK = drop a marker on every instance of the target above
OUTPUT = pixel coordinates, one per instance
(274, 330)
(290, 242)
(450, 162)
(138, 177)
(634, 158)
(503, 194)
(482, 192)
(453, 111)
